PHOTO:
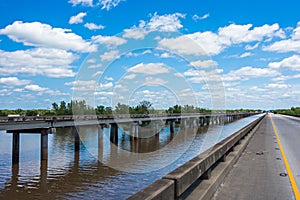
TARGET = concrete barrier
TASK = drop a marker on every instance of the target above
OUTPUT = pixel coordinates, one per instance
(187, 174)
(162, 189)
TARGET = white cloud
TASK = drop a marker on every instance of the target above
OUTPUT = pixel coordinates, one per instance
(136, 32)
(82, 2)
(277, 86)
(246, 54)
(109, 56)
(242, 33)
(93, 26)
(166, 55)
(97, 73)
(162, 23)
(38, 61)
(248, 72)
(35, 88)
(284, 46)
(292, 63)
(130, 76)
(77, 19)
(296, 32)
(94, 66)
(284, 78)
(149, 68)
(194, 44)
(108, 78)
(209, 43)
(13, 81)
(44, 35)
(108, 4)
(197, 18)
(81, 85)
(249, 47)
(109, 40)
(289, 45)
(204, 63)
(150, 81)
(166, 23)
(105, 86)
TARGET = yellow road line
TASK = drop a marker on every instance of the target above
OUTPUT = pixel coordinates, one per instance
(287, 166)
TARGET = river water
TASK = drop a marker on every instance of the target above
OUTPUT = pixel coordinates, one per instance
(70, 175)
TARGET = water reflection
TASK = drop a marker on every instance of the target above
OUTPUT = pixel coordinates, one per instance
(71, 174)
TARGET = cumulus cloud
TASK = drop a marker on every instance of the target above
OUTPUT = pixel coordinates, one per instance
(204, 63)
(110, 55)
(81, 85)
(292, 63)
(242, 33)
(13, 81)
(35, 88)
(130, 76)
(289, 45)
(166, 23)
(109, 40)
(206, 43)
(44, 35)
(38, 61)
(77, 19)
(82, 2)
(92, 26)
(245, 73)
(149, 68)
(296, 32)
(209, 43)
(161, 23)
(135, 33)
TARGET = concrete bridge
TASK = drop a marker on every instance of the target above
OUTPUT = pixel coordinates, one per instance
(45, 125)
(261, 161)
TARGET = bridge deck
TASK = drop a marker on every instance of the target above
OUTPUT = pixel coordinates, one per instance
(256, 175)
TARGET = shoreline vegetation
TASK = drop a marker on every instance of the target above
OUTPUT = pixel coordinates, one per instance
(144, 107)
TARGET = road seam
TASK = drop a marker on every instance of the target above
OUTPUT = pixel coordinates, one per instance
(287, 166)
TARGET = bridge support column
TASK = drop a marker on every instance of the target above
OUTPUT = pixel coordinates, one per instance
(183, 123)
(15, 176)
(156, 128)
(76, 139)
(100, 143)
(16, 148)
(114, 133)
(134, 131)
(43, 175)
(44, 144)
(171, 126)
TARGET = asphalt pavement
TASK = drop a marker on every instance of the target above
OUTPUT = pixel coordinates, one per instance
(261, 171)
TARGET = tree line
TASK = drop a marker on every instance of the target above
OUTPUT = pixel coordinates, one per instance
(82, 108)
(291, 111)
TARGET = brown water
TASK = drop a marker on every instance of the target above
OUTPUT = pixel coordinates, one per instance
(70, 175)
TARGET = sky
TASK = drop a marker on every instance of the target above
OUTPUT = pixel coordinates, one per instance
(208, 53)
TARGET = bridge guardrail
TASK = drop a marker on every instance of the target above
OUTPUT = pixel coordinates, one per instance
(180, 179)
(101, 117)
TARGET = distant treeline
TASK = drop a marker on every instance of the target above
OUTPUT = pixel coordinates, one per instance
(82, 108)
(291, 111)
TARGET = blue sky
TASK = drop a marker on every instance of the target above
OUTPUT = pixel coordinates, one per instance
(213, 54)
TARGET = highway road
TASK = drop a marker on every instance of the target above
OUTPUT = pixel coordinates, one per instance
(288, 129)
(269, 168)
